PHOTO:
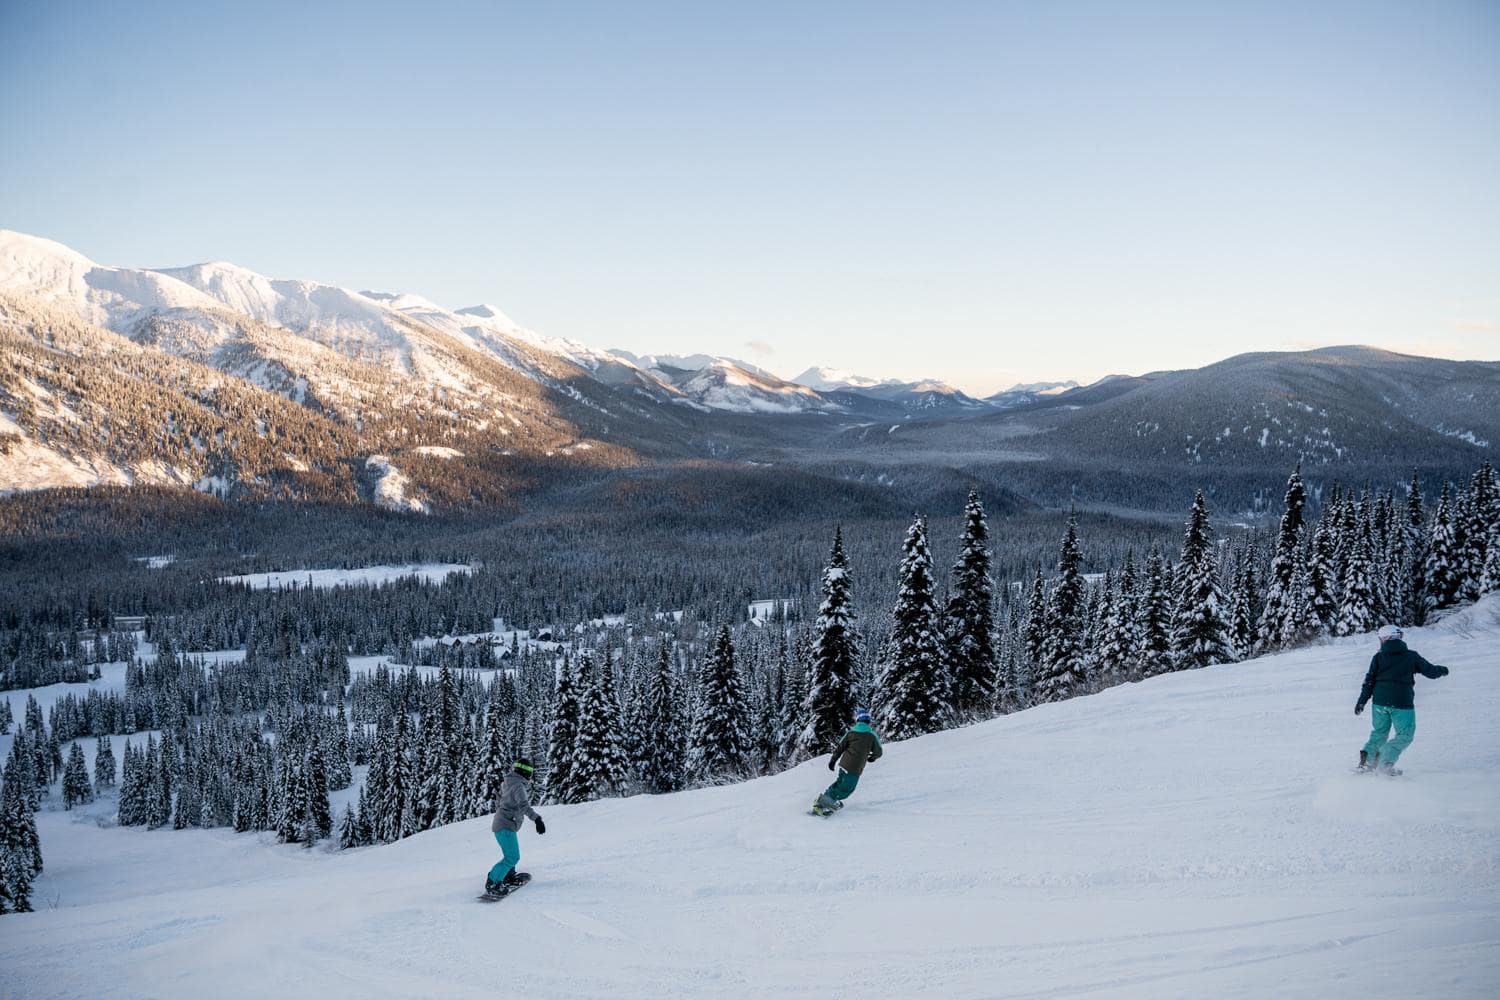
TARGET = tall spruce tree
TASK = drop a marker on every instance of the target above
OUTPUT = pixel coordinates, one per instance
(829, 701)
(663, 763)
(104, 765)
(971, 618)
(1200, 634)
(1063, 672)
(1155, 618)
(1035, 630)
(599, 767)
(563, 736)
(720, 745)
(1445, 555)
(1273, 629)
(914, 689)
(496, 757)
(1358, 611)
(77, 789)
(1482, 514)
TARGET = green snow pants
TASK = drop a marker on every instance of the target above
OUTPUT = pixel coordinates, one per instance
(1381, 741)
(842, 787)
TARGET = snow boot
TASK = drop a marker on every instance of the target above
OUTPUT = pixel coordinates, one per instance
(1389, 770)
(1366, 762)
(493, 888)
(514, 878)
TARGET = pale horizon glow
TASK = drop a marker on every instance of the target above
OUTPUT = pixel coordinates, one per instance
(984, 193)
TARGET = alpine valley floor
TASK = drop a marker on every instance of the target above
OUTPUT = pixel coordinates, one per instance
(1195, 835)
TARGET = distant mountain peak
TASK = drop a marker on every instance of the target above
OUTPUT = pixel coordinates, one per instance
(826, 379)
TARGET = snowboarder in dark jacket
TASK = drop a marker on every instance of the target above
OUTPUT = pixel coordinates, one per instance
(859, 747)
(1391, 682)
(512, 804)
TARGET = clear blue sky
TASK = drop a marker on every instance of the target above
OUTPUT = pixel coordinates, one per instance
(984, 192)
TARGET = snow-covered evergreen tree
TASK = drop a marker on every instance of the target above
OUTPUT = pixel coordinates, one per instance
(1154, 618)
(104, 765)
(971, 618)
(1482, 511)
(1063, 673)
(1358, 611)
(1035, 630)
(914, 689)
(348, 829)
(1273, 629)
(495, 758)
(720, 743)
(1242, 632)
(76, 787)
(1200, 634)
(1445, 555)
(664, 750)
(599, 766)
(160, 759)
(829, 702)
(315, 783)
(20, 847)
(563, 737)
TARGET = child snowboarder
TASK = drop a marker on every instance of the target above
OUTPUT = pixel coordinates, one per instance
(859, 747)
(1391, 681)
(511, 805)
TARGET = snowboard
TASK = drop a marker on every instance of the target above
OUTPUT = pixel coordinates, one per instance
(818, 810)
(522, 879)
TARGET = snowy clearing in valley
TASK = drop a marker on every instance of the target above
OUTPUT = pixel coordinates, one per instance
(371, 576)
(1198, 834)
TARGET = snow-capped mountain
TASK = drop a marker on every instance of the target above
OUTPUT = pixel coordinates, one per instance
(926, 395)
(1025, 393)
(834, 379)
(729, 384)
(217, 377)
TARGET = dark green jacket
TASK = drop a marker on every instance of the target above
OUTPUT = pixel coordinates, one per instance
(1391, 680)
(859, 746)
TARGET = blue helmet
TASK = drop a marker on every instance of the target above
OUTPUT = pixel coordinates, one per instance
(861, 715)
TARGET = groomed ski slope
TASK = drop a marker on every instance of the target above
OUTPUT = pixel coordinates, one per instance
(1195, 835)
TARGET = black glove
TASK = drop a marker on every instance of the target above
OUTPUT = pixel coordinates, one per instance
(831, 761)
(1359, 708)
(540, 826)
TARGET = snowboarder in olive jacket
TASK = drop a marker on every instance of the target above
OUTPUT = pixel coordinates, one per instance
(1391, 682)
(859, 747)
(511, 806)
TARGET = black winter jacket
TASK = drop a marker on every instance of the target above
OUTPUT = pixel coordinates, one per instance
(1391, 679)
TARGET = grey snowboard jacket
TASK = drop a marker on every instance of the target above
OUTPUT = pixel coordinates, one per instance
(512, 804)
(859, 747)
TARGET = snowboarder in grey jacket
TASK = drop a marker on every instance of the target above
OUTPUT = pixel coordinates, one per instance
(1391, 682)
(512, 805)
(860, 746)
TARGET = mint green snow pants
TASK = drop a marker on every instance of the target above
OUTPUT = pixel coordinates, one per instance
(1381, 742)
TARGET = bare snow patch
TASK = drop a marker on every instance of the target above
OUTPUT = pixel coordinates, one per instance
(438, 451)
(391, 486)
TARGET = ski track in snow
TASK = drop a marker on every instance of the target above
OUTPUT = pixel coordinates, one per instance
(1195, 835)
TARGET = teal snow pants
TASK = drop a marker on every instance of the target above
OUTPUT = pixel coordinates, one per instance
(1381, 742)
(510, 848)
(842, 787)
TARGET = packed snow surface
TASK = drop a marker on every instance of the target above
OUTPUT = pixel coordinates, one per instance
(1195, 835)
(371, 576)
